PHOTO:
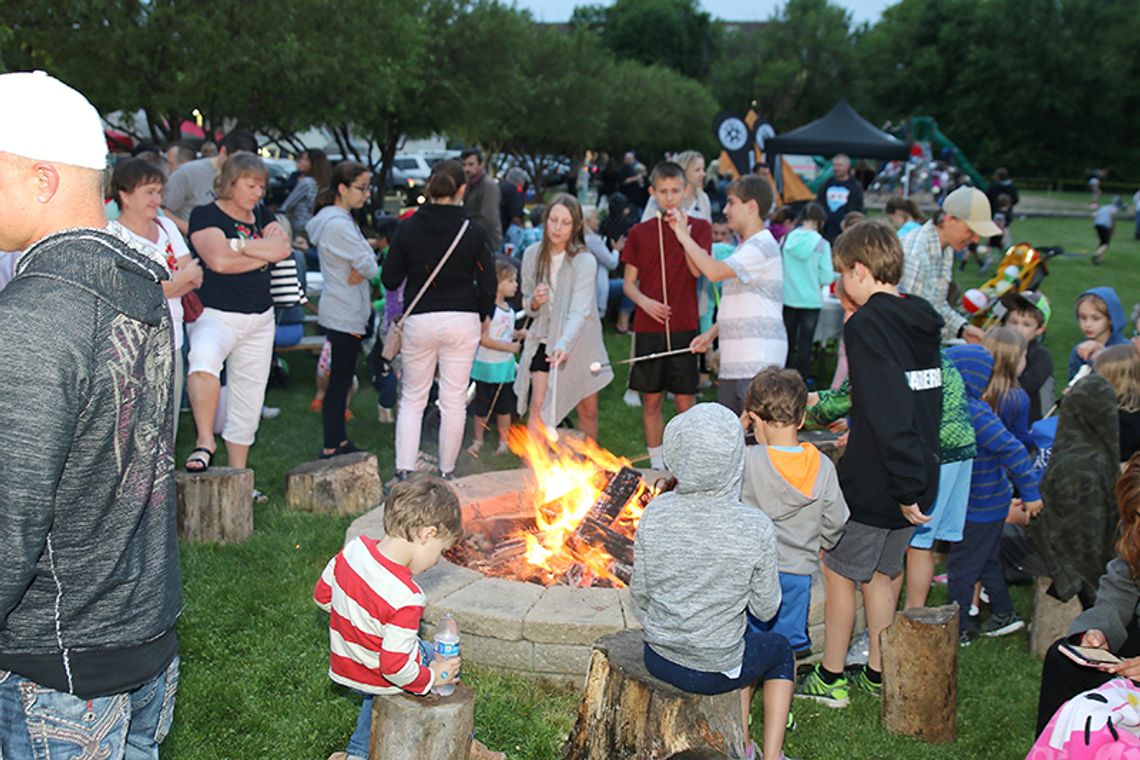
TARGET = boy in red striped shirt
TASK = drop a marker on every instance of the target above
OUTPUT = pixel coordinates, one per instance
(375, 607)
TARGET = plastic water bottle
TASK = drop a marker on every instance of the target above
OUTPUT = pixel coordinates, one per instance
(446, 647)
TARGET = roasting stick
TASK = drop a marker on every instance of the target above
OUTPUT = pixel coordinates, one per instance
(664, 285)
(553, 402)
(596, 367)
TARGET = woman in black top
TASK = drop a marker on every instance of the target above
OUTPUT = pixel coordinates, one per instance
(444, 327)
(237, 241)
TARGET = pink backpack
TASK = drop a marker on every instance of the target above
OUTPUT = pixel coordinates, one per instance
(1100, 724)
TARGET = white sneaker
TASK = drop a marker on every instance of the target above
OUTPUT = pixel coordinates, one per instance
(269, 412)
(384, 415)
(632, 398)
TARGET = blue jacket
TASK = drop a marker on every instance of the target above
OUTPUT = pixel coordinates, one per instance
(1115, 314)
(999, 452)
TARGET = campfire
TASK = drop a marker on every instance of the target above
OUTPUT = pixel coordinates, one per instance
(587, 502)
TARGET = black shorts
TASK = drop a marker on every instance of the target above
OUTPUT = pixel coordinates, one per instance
(678, 374)
(485, 394)
(1104, 233)
(539, 362)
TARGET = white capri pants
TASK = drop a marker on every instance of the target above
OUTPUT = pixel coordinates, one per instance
(244, 344)
(449, 339)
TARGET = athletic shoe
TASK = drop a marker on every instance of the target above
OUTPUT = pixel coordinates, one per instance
(859, 650)
(1002, 625)
(812, 686)
(270, 412)
(631, 398)
(965, 638)
(791, 724)
(858, 678)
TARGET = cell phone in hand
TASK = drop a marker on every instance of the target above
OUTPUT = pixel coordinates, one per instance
(1089, 656)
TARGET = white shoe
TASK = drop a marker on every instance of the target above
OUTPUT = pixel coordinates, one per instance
(384, 415)
(269, 412)
(632, 398)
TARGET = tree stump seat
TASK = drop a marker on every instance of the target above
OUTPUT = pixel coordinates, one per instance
(626, 712)
(920, 673)
(348, 484)
(1051, 617)
(215, 505)
(439, 728)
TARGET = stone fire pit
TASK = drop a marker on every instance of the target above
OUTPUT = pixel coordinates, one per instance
(522, 627)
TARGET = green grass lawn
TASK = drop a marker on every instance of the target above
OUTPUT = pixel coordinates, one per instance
(254, 647)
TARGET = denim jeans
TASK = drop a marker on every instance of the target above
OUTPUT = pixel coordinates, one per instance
(358, 743)
(37, 723)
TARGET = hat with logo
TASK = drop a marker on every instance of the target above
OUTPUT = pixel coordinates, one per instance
(1027, 300)
(973, 207)
(45, 120)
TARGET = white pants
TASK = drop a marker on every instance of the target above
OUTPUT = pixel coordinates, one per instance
(449, 339)
(244, 344)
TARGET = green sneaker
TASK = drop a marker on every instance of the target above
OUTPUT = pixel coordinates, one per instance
(858, 678)
(812, 686)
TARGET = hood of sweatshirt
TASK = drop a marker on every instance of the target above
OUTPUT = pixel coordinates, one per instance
(704, 449)
(105, 264)
(975, 365)
(786, 499)
(1115, 312)
(320, 223)
(912, 313)
(802, 244)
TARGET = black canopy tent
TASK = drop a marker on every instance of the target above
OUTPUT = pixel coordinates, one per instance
(842, 130)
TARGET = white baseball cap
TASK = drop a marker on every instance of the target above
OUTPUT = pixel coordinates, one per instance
(45, 120)
(973, 207)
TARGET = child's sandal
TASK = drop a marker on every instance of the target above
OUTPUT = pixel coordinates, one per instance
(199, 460)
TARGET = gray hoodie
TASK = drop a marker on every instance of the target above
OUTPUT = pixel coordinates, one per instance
(701, 557)
(89, 586)
(803, 523)
(342, 249)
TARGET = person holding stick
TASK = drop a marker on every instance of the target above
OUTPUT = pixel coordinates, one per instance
(750, 320)
(661, 280)
(565, 338)
(494, 368)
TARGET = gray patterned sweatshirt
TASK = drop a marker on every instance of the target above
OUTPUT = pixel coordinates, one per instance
(89, 585)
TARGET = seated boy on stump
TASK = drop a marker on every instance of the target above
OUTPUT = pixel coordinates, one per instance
(375, 606)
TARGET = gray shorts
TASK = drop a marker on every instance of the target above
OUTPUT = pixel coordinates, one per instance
(864, 550)
(731, 393)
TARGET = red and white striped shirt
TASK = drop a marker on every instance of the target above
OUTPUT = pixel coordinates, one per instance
(374, 611)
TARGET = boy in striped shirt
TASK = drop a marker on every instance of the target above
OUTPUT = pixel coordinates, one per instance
(375, 606)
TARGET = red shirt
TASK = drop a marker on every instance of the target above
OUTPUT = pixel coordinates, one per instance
(642, 250)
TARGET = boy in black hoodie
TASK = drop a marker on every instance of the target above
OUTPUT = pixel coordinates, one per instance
(889, 474)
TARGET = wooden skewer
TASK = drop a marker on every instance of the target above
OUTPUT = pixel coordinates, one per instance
(664, 284)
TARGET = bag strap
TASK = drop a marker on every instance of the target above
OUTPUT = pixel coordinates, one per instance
(435, 272)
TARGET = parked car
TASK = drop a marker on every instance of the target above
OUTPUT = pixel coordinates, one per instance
(279, 185)
(409, 170)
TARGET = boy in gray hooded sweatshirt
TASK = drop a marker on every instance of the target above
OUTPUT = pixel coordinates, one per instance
(705, 574)
(796, 486)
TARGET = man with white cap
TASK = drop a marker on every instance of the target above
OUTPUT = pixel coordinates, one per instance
(928, 255)
(89, 585)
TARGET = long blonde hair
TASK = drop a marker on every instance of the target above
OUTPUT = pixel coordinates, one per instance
(1006, 346)
(1120, 366)
(575, 245)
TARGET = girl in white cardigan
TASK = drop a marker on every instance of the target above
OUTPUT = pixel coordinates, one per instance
(565, 337)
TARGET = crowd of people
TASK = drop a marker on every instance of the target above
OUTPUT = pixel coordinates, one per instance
(949, 430)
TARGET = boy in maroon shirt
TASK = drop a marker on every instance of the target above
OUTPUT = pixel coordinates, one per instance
(666, 317)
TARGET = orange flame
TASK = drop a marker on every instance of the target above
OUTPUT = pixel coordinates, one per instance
(570, 475)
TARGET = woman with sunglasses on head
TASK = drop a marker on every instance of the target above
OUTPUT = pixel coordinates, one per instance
(348, 263)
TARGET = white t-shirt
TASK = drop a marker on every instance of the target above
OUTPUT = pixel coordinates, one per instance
(556, 262)
(751, 316)
(170, 244)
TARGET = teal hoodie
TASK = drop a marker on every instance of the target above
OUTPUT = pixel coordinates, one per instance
(807, 268)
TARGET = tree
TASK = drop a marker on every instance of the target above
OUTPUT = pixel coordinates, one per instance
(672, 33)
(795, 67)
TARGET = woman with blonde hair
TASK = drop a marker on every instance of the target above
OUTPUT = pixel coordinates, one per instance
(237, 241)
(1120, 366)
(1009, 402)
(565, 338)
(694, 200)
